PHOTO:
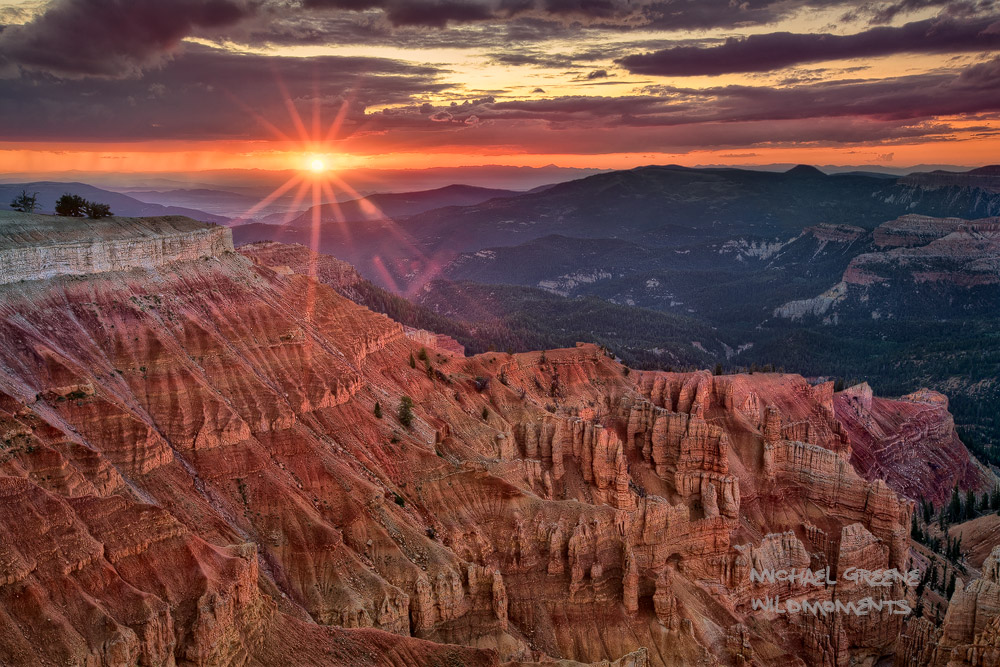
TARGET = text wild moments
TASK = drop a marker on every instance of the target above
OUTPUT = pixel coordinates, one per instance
(879, 581)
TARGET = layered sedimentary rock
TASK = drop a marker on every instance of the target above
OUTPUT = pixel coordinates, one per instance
(910, 231)
(909, 442)
(38, 246)
(970, 633)
(288, 258)
(193, 472)
(921, 264)
(956, 252)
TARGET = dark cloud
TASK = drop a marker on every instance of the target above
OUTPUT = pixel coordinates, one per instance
(767, 52)
(438, 13)
(884, 12)
(112, 37)
(245, 99)
(609, 14)
(124, 37)
(205, 94)
(201, 93)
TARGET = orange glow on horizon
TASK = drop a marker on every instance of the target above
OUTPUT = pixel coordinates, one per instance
(42, 159)
(975, 147)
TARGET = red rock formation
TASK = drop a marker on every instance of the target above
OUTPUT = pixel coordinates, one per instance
(192, 473)
(910, 443)
(970, 633)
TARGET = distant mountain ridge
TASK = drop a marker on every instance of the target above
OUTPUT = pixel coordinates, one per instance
(986, 178)
(656, 206)
(393, 204)
(121, 205)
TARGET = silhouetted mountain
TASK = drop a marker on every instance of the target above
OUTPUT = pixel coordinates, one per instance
(805, 171)
(983, 178)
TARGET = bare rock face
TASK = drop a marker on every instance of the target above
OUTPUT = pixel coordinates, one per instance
(192, 473)
(936, 261)
(910, 443)
(950, 251)
(910, 231)
(33, 247)
(970, 634)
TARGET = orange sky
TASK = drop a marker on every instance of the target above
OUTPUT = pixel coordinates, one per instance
(913, 89)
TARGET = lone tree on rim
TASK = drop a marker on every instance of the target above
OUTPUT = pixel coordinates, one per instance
(24, 202)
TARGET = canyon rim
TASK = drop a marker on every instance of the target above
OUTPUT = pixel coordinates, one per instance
(499, 333)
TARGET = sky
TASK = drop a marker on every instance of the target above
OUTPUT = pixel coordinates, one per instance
(187, 85)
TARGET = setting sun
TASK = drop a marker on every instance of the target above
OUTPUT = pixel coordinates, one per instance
(317, 165)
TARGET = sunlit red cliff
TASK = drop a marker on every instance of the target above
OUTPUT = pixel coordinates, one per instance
(193, 471)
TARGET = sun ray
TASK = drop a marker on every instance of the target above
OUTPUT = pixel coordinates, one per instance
(277, 192)
(316, 111)
(293, 210)
(345, 107)
(271, 127)
(292, 110)
(314, 245)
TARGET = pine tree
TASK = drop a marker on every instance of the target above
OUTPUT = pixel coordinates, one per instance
(955, 506)
(406, 411)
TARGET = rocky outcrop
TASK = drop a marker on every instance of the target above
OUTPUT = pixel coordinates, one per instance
(947, 257)
(956, 252)
(910, 442)
(435, 341)
(819, 306)
(35, 247)
(970, 633)
(910, 231)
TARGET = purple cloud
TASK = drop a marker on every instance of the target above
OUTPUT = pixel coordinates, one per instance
(772, 51)
(112, 37)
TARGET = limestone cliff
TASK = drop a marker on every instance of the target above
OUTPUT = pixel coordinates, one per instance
(920, 264)
(35, 247)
